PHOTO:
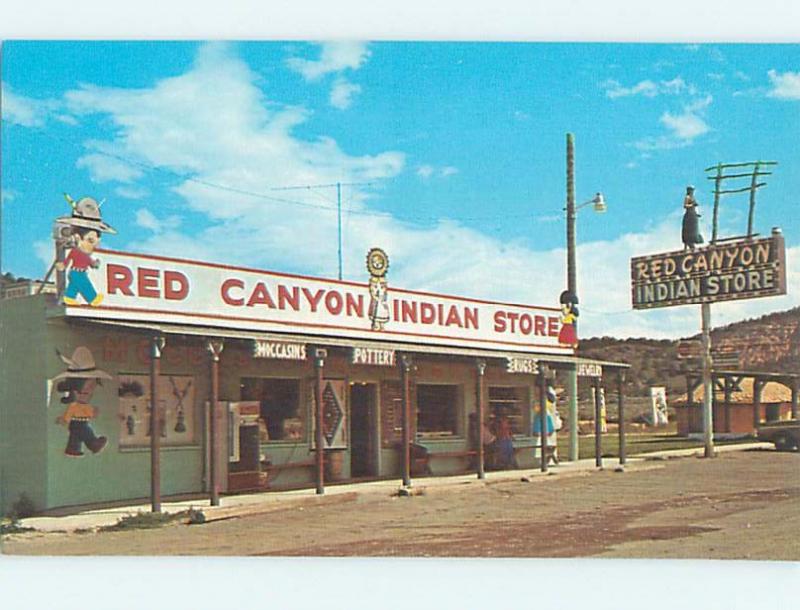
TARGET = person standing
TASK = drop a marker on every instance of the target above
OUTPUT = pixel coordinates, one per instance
(690, 230)
(505, 444)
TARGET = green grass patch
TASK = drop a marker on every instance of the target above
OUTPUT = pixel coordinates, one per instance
(12, 526)
(144, 521)
(636, 443)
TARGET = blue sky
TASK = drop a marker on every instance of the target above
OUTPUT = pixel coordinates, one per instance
(462, 146)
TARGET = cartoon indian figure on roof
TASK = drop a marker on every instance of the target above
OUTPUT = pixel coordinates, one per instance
(77, 384)
(86, 228)
(378, 265)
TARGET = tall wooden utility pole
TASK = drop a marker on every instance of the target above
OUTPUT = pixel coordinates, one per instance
(572, 374)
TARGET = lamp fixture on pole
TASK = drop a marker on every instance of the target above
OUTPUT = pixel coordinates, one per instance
(599, 206)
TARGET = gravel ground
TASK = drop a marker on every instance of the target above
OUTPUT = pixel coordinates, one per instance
(740, 505)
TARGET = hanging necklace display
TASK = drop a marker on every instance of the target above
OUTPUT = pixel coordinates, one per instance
(180, 396)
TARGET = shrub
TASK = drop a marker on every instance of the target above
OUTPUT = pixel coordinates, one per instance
(22, 508)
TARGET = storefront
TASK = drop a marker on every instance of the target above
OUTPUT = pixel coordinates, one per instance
(266, 349)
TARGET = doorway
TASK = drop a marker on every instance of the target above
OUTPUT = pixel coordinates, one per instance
(363, 400)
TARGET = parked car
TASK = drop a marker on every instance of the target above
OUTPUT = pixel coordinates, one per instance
(784, 434)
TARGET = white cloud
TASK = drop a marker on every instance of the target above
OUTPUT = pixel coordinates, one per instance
(43, 249)
(25, 111)
(238, 137)
(342, 93)
(425, 171)
(683, 128)
(648, 88)
(103, 168)
(147, 220)
(334, 57)
(428, 171)
(132, 192)
(785, 86)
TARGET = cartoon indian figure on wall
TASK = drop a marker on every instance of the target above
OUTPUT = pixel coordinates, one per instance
(568, 335)
(378, 266)
(86, 227)
(77, 384)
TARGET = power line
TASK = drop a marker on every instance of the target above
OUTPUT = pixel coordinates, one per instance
(310, 188)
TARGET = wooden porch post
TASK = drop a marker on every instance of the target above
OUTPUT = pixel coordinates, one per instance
(543, 417)
(598, 447)
(758, 385)
(794, 397)
(727, 390)
(319, 363)
(481, 369)
(406, 373)
(214, 348)
(621, 415)
(156, 347)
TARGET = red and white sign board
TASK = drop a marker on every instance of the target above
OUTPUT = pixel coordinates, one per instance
(166, 290)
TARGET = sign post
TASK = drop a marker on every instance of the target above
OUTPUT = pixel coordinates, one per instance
(708, 387)
(726, 270)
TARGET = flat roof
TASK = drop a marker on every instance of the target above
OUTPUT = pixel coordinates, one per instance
(322, 341)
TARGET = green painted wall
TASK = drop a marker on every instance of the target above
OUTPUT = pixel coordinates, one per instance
(23, 412)
(117, 473)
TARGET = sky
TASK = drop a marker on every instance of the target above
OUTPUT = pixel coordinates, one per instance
(451, 156)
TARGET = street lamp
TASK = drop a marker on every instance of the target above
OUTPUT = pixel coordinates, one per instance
(599, 206)
(598, 201)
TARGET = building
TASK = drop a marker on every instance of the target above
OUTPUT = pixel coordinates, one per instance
(14, 289)
(266, 349)
(741, 400)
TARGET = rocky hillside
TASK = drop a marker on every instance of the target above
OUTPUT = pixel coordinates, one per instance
(768, 343)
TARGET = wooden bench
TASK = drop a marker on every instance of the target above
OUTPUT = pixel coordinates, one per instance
(270, 468)
(421, 458)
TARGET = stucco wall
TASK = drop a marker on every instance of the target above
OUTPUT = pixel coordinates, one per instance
(23, 412)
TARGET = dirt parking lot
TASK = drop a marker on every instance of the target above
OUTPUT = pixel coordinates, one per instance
(740, 505)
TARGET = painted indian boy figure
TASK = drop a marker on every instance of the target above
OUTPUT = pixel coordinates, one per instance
(86, 229)
(78, 383)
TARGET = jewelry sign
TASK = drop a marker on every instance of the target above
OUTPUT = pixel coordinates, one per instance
(744, 268)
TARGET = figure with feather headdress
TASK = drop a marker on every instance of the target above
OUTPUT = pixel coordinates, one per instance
(87, 227)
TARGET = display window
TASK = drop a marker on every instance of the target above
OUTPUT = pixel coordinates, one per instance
(438, 408)
(176, 399)
(508, 406)
(279, 407)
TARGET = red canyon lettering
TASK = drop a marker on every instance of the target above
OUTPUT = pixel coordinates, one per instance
(150, 283)
(234, 292)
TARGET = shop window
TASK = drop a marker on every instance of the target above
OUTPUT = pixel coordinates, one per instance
(437, 410)
(509, 402)
(176, 398)
(279, 400)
